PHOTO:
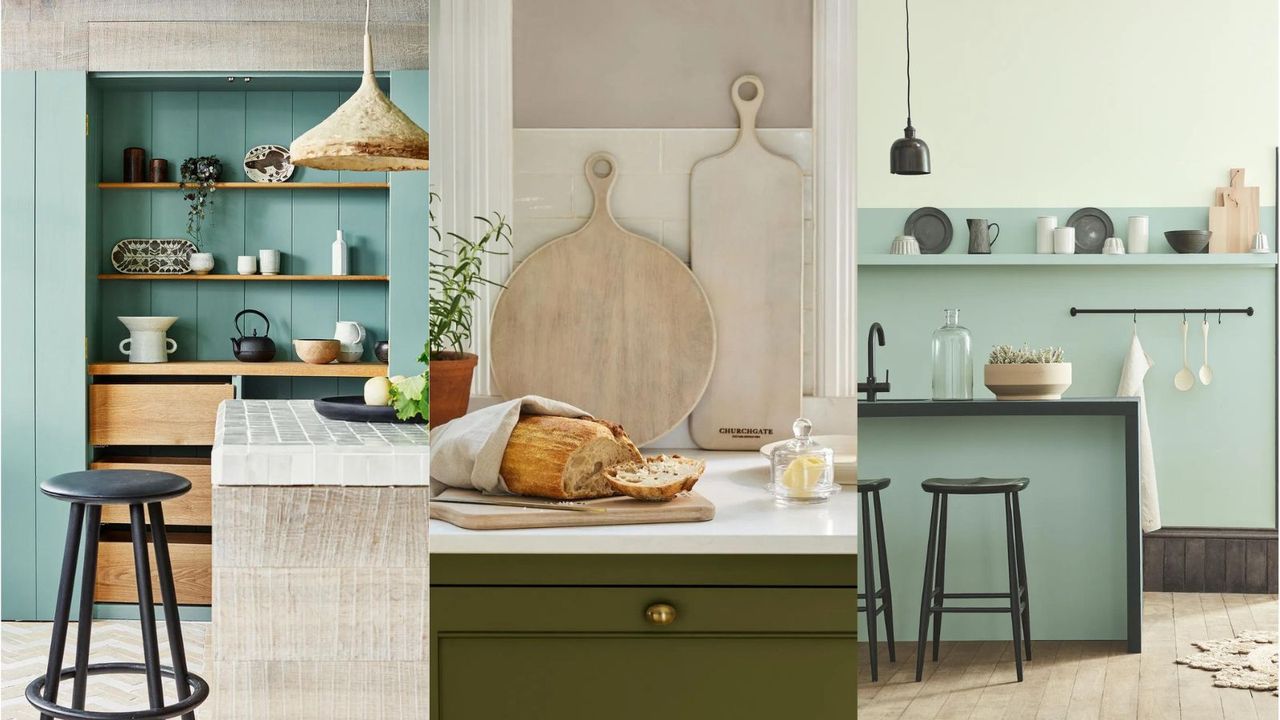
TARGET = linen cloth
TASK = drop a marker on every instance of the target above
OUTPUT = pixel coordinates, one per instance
(1136, 365)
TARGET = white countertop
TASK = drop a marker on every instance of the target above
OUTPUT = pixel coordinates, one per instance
(285, 442)
(747, 522)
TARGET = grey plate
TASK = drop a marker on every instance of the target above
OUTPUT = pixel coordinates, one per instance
(931, 228)
(1093, 227)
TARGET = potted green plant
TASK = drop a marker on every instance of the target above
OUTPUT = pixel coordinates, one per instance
(456, 276)
(198, 177)
(1026, 373)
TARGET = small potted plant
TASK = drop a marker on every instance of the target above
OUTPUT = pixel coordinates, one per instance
(456, 275)
(1027, 374)
(198, 177)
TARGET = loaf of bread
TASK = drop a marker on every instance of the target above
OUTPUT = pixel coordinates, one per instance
(661, 477)
(564, 458)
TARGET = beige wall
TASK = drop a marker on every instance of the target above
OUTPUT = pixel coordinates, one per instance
(659, 63)
(144, 35)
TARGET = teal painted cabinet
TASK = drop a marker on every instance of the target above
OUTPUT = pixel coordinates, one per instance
(63, 133)
(570, 637)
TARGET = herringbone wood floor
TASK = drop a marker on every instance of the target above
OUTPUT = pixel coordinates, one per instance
(1080, 679)
(24, 649)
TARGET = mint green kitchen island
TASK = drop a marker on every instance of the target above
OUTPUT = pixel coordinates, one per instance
(752, 614)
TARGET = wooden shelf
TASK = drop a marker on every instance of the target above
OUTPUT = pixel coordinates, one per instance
(246, 278)
(234, 367)
(1033, 260)
(251, 186)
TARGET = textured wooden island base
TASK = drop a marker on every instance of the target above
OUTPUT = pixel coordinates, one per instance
(320, 603)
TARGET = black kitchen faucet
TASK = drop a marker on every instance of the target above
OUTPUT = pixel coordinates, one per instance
(873, 386)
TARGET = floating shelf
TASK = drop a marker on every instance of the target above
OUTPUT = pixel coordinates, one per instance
(1033, 260)
(251, 186)
(246, 278)
(235, 367)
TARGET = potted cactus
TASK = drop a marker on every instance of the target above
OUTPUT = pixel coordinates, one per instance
(1027, 373)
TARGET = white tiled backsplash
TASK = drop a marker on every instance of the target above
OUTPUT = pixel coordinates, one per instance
(651, 195)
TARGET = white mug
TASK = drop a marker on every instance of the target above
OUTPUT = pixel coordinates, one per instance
(269, 261)
(1064, 241)
(1139, 230)
(247, 264)
(1112, 246)
(1044, 233)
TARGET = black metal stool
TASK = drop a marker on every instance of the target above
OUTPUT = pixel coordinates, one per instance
(92, 489)
(933, 596)
(881, 600)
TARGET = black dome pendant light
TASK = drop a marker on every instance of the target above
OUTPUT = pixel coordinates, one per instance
(909, 154)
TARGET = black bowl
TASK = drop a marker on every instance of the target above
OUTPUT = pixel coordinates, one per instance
(382, 350)
(1188, 241)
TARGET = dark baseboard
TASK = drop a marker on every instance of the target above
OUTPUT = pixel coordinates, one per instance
(1193, 559)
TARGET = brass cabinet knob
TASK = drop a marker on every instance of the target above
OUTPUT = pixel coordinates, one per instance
(660, 614)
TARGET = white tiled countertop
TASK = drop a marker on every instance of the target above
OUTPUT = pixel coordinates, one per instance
(285, 442)
(747, 522)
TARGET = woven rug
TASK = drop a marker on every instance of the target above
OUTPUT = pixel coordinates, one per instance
(1248, 661)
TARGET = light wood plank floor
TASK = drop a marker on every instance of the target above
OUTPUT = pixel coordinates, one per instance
(1070, 680)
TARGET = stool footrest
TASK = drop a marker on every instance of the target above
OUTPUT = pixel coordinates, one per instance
(941, 609)
(198, 687)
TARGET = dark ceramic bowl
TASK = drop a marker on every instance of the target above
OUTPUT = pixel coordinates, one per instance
(381, 350)
(1188, 241)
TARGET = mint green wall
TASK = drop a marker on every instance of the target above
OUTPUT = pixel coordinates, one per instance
(1215, 446)
(409, 248)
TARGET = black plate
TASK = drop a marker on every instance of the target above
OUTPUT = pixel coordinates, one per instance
(1093, 227)
(352, 409)
(931, 228)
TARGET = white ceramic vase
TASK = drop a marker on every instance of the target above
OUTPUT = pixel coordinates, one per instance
(147, 342)
(201, 263)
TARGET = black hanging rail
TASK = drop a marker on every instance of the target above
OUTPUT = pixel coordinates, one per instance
(1161, 311)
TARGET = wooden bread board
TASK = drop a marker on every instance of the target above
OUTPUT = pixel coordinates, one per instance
(687, 507)
(746, 230)
(1233, 219)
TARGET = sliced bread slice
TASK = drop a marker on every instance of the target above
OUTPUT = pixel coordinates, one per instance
(661, 477)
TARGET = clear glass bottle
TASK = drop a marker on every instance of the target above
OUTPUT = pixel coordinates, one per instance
(803, 470)
(952, 360)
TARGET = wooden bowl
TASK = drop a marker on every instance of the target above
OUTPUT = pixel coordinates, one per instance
(317, 351)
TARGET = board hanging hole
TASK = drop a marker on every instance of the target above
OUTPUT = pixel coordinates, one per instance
(602, 168)
(748, 90)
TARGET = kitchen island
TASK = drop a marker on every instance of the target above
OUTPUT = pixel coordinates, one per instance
(707, 619)
(320, 586)
(1081, 455)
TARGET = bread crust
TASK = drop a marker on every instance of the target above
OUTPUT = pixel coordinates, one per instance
(691, 471)
(564, 458)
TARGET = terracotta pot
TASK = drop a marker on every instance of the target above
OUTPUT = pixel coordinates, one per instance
(1033, 381)
(450, 385)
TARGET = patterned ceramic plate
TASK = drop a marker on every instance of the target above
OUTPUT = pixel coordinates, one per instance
(268, 164)
(931, 228)
(162, 256)
(1093, 227)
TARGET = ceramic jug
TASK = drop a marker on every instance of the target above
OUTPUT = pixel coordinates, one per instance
(980, 237)
(351, 334)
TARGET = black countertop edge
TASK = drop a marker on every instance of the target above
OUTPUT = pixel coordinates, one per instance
(892, 408)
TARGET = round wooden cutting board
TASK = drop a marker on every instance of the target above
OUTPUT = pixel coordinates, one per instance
(608, 321)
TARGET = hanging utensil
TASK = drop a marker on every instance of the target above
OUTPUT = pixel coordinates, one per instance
(1184, 379)
(1206, 373)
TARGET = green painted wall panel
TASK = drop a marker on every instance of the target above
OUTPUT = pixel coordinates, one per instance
(1215, 446)
(408, 249)
(17, 372)
(60, 313)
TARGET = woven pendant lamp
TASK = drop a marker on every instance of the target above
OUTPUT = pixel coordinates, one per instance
(367, 132)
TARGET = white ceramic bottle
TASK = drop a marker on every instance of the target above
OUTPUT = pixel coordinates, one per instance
(339, 256)
(1044, 233)
(1139, 229)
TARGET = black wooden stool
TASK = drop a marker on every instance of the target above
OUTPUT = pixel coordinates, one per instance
(933, 597)
(881, 600)
(91, 490)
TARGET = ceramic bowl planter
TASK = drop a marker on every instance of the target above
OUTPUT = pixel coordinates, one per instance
(201, 263)
(1028, 381)
(450, 385)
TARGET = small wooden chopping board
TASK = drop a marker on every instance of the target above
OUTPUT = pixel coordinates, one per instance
(686, 507)
(1233, 219)
(608, 321)
(746, 235)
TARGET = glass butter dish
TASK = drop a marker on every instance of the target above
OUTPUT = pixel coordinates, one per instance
(803, 471)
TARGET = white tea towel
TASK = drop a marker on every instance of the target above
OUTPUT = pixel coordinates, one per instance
(1136, 365)
(467, 452)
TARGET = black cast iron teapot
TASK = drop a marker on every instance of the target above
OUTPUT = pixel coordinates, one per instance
(253, 348)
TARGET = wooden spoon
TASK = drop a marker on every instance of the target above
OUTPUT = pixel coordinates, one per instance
(1206, 373)
(1184, 379)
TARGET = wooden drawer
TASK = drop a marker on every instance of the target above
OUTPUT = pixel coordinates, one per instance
(188, 551)
(154, 414)
(194, 508)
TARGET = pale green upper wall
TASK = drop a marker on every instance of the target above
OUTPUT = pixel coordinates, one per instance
(1030, 103)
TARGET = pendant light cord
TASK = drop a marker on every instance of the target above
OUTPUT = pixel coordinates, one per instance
(907, 4)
